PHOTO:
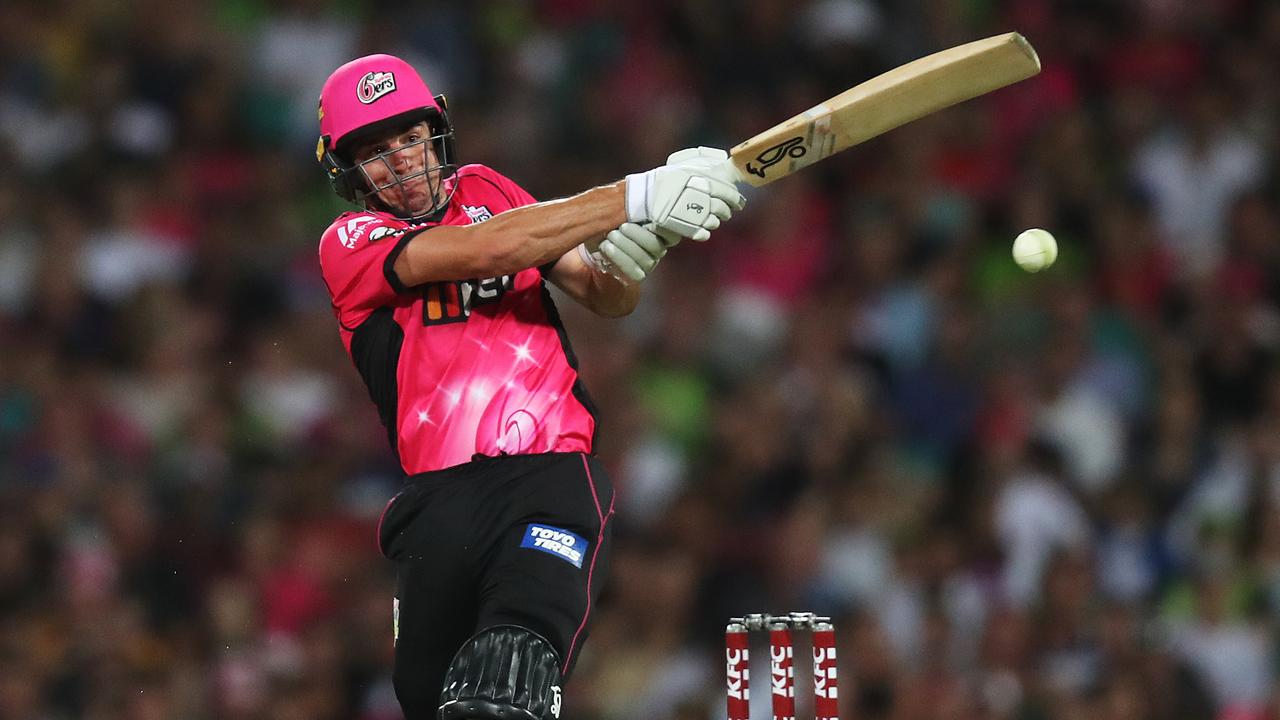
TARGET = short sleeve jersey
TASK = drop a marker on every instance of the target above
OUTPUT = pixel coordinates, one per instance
(458, 369)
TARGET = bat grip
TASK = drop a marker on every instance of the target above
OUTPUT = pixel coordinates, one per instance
(734, 174)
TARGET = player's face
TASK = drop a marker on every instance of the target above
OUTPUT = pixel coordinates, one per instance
(402, 166)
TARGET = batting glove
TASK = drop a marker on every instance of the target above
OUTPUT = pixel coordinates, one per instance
(629, 253)
(714, 162)
(686, 201)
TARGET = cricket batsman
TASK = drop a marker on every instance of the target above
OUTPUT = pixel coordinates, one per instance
(500, 534)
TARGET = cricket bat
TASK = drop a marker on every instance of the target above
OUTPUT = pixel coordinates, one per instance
(884, 102)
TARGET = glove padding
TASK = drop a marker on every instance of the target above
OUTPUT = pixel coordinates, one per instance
(629, 253)
(712, 162)
(686, 201)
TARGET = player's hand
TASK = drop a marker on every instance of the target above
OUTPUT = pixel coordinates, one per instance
(629, 253)
(686, 201)
(713, 161)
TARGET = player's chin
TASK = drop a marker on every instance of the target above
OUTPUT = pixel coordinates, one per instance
(418, 201)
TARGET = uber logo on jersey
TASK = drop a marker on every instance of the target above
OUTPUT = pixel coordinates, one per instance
(554, 541)
(449, 302)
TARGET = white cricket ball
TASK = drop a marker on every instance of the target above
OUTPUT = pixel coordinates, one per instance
(1035, 250)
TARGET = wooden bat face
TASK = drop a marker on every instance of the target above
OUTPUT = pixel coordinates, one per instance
(883, 103)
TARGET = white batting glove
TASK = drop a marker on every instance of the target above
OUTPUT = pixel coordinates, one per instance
(629, 253)
(686, 201)
(713, 161)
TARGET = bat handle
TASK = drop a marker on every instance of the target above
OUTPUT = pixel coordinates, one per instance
(735, 175)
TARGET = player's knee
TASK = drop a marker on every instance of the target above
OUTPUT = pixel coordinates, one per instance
(505, 672)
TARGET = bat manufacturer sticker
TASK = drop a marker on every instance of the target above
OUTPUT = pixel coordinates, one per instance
(817, 111)
(822, 141)
(770, 156)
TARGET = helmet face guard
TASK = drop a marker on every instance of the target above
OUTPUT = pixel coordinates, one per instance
(374, 96)
(355, 181)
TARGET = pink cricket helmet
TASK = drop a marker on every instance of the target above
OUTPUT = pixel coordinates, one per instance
(370, 90)
(365, 96)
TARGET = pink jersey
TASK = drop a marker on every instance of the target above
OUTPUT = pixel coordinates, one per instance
(460, 368)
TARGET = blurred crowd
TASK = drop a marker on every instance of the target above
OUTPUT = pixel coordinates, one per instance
(1021, 497)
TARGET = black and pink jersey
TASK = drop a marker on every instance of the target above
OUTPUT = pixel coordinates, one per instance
(461, 368)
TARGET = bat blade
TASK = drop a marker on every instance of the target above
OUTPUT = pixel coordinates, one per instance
(885, 102)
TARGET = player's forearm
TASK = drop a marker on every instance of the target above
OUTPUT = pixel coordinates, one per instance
(534, 235)
(514, 240)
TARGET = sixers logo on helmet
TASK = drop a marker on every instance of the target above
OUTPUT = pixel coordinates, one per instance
(374, 85)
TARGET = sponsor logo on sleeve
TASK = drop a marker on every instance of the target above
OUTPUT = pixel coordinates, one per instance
(351, 232)
(552, 540)
(477, 213)
(384, 231)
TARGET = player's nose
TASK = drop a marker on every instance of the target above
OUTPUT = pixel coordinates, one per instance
(402, 159)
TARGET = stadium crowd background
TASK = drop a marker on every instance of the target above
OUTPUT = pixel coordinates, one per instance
(1021, 497)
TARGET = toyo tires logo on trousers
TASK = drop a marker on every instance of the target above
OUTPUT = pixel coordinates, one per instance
(552, 540)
